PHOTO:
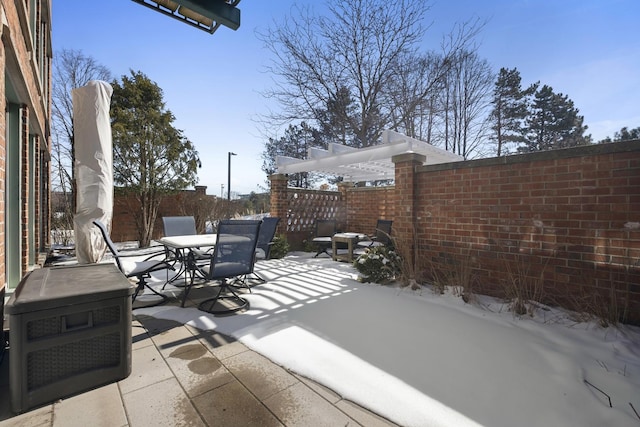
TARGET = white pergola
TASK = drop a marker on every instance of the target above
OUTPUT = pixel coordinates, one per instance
(364, 164)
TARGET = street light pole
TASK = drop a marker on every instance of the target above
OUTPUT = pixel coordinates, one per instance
(229, 176)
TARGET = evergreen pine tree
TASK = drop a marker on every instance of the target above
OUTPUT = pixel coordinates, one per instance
(509, 110)
(553, 122)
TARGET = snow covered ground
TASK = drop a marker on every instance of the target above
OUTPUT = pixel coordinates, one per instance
(422, 359)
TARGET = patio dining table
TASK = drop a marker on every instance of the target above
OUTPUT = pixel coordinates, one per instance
(189, 241)
(185, 245)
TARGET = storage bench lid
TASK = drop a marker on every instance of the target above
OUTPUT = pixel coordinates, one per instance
(51, 287)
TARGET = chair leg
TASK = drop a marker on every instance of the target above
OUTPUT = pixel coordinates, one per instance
(241, 282)
(208, 304)
(178, 257)
(142, 283)
(321, 250)
(255, 276)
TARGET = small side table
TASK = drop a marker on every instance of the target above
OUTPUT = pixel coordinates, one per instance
(351, 239)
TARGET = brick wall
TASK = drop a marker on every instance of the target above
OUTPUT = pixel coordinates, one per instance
(568, 216)
(568, 219)
(365, 205)
(26, 69)
(123, 228)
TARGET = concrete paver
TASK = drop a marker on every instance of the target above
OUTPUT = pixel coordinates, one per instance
(148, 367)
(233, 405)
(163, 404)
(41, 417)
(261, 376)
(182, 376)
(299, 406)
(197, 370)
(361, 415)
(102, 407)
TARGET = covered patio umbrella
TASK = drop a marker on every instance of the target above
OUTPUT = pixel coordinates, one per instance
(93, 168)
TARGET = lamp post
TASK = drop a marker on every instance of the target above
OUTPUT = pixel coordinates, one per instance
(229, 176)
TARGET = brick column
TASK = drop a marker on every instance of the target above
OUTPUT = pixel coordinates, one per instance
(405, 199)
(279, 200)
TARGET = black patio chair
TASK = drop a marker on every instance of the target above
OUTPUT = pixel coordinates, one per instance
(263, 247)
(179, 225)
(182, 226)
(233, 256)
(325, 229)
(141, 270)
(381, 236)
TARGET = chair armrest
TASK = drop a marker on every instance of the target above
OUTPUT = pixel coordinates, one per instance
(147, 255)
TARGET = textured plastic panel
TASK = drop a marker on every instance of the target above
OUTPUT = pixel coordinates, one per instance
(70, 331)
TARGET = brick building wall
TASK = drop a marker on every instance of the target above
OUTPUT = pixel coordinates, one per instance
(25, 58)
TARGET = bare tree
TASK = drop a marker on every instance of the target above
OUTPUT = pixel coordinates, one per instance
(413, 95)
(465, 101)
(71, 69)
(354, 53)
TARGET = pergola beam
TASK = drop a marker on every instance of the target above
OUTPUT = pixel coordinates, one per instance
(365, 164)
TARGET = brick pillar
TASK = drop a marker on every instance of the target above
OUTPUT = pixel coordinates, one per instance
(279, 200)
(405, 200)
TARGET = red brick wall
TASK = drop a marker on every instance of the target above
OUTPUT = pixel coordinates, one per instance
(570, 218)
(568, 215)
(365, 205)
(21, 60)
(123, 228)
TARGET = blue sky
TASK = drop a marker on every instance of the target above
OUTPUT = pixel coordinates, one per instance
(586, 49)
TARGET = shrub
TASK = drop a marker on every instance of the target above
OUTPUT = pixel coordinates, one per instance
(378, 264)
(279, 247)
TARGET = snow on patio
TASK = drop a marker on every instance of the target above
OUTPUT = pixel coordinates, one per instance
(422, 359)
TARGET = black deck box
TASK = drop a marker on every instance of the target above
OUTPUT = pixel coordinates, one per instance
(69, 331)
